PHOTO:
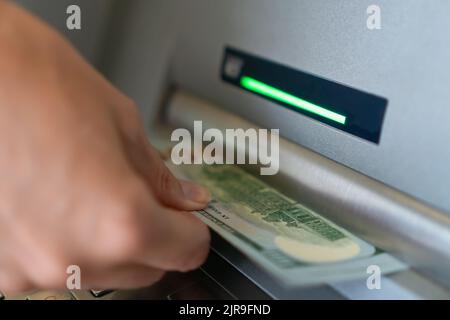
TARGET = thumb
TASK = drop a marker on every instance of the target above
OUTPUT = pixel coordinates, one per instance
(170, 191)
(183, 195)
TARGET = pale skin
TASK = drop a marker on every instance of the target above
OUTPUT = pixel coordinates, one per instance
(80, 183)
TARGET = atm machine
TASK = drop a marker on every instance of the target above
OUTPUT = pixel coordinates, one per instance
(378, 164)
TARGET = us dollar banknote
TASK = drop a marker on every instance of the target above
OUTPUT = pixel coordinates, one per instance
(293, 243)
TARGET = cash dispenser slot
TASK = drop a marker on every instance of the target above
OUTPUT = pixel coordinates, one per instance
(416, 233)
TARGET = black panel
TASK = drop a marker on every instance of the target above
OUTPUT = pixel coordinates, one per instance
(363, 112)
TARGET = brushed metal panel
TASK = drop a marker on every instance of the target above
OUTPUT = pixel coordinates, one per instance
(407, 61)
(390, 219)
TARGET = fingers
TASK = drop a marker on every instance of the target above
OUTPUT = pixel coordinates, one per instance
(121, 277)
(140, 230)
(177, 194)
(173, 193)
(13, 282)
(168, 190)
(149, 164)
(160, 237)
(183, 242)
(134, 244)
(195, 192)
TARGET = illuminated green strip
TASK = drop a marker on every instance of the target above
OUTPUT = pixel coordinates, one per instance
(276, 94)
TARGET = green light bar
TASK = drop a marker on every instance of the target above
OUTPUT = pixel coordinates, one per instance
(276, 94)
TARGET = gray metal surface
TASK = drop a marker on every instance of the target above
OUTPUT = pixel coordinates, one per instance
(407, 61)
(94, 22)
(386, 217)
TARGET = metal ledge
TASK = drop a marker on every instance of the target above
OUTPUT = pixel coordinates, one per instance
(411, 230)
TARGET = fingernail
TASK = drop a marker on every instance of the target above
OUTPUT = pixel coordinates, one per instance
(195, 192)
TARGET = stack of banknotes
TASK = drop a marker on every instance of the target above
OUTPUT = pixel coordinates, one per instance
(295, 245)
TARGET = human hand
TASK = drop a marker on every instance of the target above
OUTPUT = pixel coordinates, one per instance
(80, 183)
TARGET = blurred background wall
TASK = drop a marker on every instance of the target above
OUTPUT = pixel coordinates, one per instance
(95, 15)
(122, 39)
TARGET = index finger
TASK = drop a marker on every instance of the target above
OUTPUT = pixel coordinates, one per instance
(140, 230)
(177, 240)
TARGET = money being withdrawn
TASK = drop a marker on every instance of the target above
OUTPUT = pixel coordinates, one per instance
(294, 244)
